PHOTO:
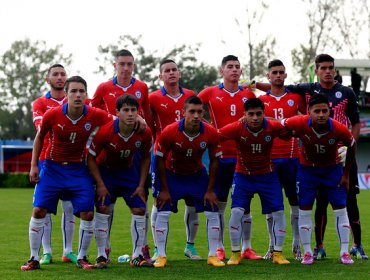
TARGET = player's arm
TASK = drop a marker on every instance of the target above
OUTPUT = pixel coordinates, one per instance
(36, 151)
(350, 158)
(353, 113)
(37, 113)
(228, 132)
(146, 109)
(97, 100)
(101, 190)
(210, 195)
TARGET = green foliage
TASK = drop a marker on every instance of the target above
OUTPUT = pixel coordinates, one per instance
(22, 79)
(15, 180)
(16, 208)
(195, 75)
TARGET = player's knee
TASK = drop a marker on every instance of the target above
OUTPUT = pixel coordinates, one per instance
(103, 209)
(87, 216)
(39, 212)
(138, 211)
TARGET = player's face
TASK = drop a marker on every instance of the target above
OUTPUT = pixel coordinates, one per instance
(277, 75)
(326, 72)
(56, 78)
(319, 114)
(124, 66)
(127, 114)
(170, 74)
(254, 118)
(76, 94)
(231, 72)
(193, 114)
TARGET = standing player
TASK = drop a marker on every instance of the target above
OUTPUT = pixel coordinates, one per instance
(110, 161)
(280, 104)
(225, 105)
(344, 109)
(56, 96)
(105, 98)
(64, 170)
(167, 104)
(320, 168)
(254, 174)
(182, 175)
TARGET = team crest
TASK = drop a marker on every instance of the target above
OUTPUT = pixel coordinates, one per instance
(268, 138)
(138, 94)
(137, 144)
(244, 99)
(87, 126)
(291, 102)
(331, 141)
(203, 145)
(338, 94)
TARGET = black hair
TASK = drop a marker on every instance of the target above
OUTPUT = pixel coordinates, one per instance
(57, 65)
(74, 79)
(192, 100)
(228, 58)
(275, 62)
(318, 98)
(127, 99)
(253, 103)
(165, 61)
(323, 58)
(123, 53)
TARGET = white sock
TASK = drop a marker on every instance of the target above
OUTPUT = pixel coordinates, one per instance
(305, 229)
(294, 216)
(145, 240)
(191, 220)
(68, 226)
(101, 232)
(235, 227)
(161, 231)
(246, 231)
(46, 237)
(110, 222)
(137, 234)
(213, 228)
(85, 236)
(279, 229)
(221, 215)
(35, 232)
(153, 220)
(343, 229)
(269, 222)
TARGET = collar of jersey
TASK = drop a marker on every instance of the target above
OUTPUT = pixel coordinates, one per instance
(286, 91)
(221, 86)
(264, 124)
(329, 121)
(48, 95)
(182, 126)
(115, 125)
(115, 80)
(65, 109)
(164, 91)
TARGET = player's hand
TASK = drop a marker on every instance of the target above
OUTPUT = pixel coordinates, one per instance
(163, 198)
(344, 180)
(140, 192)
(342, 153)
(243, 119)
(211, 198)
(248, 84)
(140, 124)
(101, 193)
(34, 174)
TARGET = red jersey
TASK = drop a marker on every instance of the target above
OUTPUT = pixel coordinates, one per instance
(319, 149)
(116, 151)
(107, 93)
(254, 149)
(280, 107)
(167, 109)
(184, 153)
(68, 137)
(39, 108)
(224, 108)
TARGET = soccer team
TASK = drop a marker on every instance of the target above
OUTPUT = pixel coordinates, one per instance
(88, 153)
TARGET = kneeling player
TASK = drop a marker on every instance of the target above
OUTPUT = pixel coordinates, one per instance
(254, 174)
(110, 161)
(183, 176)
(320, 169)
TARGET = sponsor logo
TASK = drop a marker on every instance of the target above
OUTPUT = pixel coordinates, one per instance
(219, 98)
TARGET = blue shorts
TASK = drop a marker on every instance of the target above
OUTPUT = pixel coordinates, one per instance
(267, 186)
(70, 179)
(224, 178)
(287, 169)
(191, 187)
(311, 179)
(121, 183)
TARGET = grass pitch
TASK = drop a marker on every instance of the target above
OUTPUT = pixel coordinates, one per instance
(15, 211)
